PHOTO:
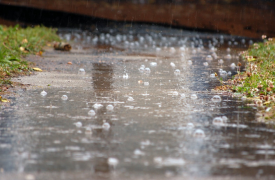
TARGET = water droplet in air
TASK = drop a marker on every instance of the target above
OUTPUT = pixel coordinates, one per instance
(43, 93)
(64, 97)
(216, 98)
(110, 107)
(91, 112)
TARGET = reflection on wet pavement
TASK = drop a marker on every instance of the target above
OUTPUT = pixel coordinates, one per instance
(139, 117)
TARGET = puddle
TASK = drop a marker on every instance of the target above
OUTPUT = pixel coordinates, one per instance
(150, 116)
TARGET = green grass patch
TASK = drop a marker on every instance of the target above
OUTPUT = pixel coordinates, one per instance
(16, 43)
(257, 83)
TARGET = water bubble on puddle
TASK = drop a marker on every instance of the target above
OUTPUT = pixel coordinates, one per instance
(193, 96)
(97, 106)
(110, 107)
(214, 55)
(145, 143)
(138, 152)
(130, 99)
(233, 65)
(228, 49)
(182, 95)
(106, 126)
(64, 97)
(175, 93)
(153, 64)
(223, 73)
(146, 83)
(81, 71)
(189, 62)
(43, 93)
(212, 75)
(182, 48)
(158, 49)
(141, 69)
(173, 162)
(209, 58)
(125, 76)
(113, 162)
(91, 112)
(29, 177)
(88, 131)
(224, 118)
(228, 56)
(199, 133)
(205, 64)
(172, 65)
(172, 50)
(147, 70)
(190, 126)
(177, 72)
(220, 61)
(218, 121)
(216, 98)
(78, 124)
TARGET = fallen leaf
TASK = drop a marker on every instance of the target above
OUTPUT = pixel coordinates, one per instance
(5, 100)
(24, 41)
(70, 63)
(267, 102)
(37, 69)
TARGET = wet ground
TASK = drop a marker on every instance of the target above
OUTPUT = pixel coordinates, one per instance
(135, 104)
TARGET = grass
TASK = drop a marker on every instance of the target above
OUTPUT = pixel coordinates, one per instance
(257, 82)
(15, 44)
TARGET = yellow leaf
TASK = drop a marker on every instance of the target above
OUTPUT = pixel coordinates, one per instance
(5, 100)
(251, 59)
(37, 69)
(267, 102)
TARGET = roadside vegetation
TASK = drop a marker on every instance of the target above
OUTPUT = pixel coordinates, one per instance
(257, 82)
(15, 44)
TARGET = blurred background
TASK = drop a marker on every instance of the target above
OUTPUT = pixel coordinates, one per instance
(250, 18)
